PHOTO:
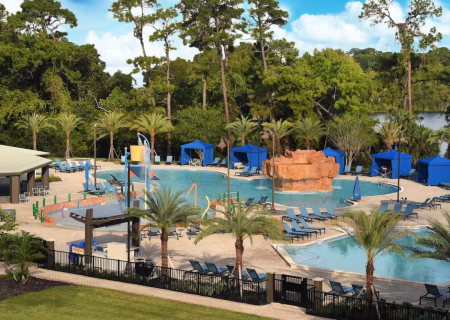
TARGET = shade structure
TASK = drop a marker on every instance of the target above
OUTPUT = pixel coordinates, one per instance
(207, 148)
(434, 170)
(389, 159)
(356, 190)
(248, 154)
(338, 155)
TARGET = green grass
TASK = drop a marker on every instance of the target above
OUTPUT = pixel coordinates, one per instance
(78, 302)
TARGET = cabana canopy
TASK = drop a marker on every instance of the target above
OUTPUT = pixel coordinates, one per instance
(207, 148)
(248, 154)
(389, 159)
(338, 155)
(434, 170)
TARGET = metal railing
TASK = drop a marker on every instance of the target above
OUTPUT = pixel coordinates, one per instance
(147, 274)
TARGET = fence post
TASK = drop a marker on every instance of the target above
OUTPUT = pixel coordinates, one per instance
(55, 200)
(50, 244)
(270, 287)
(118, 269)
(318, 289)
(34, 211)
(304, 293)
(43, 202)
(42, 216)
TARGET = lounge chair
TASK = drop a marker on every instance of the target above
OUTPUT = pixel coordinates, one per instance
(215, 162)
(444, 185)
(397, 207)
(116, 181)
(196, 266)
(191, 231)
(251, 172)
(419, 205)
(74, 165)
(297, 228)
(244, 171)
(258, 277)
(410, 175)
(330, 211)
(247, 203)
(157, 160)
(109, 187)
(347, 169)
(409, 211)
(367, 173)
(319, 214)
(69, 168)
(235, 273)
(91, 165)
(384, 206)
(262, 201)
(101, 187)
(81, 164)
(306, 226)
(224, 163)
(337, 288)
(306, 215)
(290, 215)
(288, 230)
(433, 204)
(360, 292)
(154, 231)
(357, 170)
(92, 189)
(433, 293)
(61, 167)
(173, 232)
(169, 160)
(444, 198)
(218, 271)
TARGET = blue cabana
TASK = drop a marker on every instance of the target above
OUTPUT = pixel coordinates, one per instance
(207, 148)
(434, 170)
(248, 154)
(338, 155)
(389, 159)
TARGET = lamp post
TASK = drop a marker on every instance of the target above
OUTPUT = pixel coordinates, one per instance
(400, 139)
(259, 138)
(267, 135)
(222, 145)
(103, 125)
(29, 139)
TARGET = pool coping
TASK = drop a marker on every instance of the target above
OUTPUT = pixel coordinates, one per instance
(293, 265)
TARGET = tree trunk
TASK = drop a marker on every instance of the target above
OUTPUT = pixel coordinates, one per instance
(111, 147)
(308, 144)
(34, 140)
(204, 94)
(369, 274)
(152, 153)
(243, 139)
(67, 145)
(164, 253)
(409, 87)
(169, 111)
(263, 53)
(239, 245)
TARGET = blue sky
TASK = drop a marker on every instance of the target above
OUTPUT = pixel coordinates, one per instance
(312, 24)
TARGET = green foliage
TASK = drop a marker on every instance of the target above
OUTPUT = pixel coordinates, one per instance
(309, 131)
(52, 178)
(241, 128)
(8, 222)
(278, 130)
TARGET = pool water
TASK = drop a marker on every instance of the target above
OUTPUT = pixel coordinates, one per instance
(345, 255)
(211, 184)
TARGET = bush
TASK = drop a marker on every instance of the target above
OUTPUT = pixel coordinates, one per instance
(52, 178)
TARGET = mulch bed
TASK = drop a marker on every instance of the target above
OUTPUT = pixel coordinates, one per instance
(10, 288)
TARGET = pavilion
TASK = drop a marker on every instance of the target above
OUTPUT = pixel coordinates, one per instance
(15, 162)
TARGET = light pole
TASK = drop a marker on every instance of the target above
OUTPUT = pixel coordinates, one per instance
(400, 139)
(103, 125)
(259, 138)
(29, 139)
(267, 135)
(222, 145)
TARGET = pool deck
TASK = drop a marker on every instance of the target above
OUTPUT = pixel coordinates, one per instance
(219, 248)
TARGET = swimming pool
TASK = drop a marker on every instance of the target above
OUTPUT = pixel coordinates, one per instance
(344, 255)
(212, 184)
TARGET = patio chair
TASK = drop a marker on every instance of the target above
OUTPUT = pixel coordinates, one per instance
(410, 175)
(22, 198)
(433, 293)
(42, 192)
(443, 198)
(247, 203)
(319, 214)
(218, 271)
(367, 173)
(397, 207)
(337, 288)
(419, 205)
(91, 165)
(224, 163)
(216, 161)
(74, 165)
(244, 171)
(384, 206)
(92, 189)
(169, 160)
(290, 215)
(300, 233)
(196, 266)
(157, 160)
(153, 232)
(347, 169)
(360, 292)
(35, 191)
(409, 211)
(251, 172)
(109, 187)
(173, 232)
(116, 181)
(235, 272)
(262, 201)
(306, 226)
(27, 196)
(306, 215)
(258, 277)
(101, 187)
(444, 185)
(330, 211)
(69, 168)
(192, 231)
(47, 190)
(433, 204)
(297, 228)
(357, 170)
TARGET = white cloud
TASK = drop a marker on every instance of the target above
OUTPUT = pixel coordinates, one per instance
(12, 6)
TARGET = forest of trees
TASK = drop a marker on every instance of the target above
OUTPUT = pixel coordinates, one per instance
(42, 73)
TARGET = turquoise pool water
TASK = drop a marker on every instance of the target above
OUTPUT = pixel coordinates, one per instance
(345, 255)
(212, 184)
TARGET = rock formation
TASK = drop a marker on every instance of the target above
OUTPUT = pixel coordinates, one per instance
(303, 170)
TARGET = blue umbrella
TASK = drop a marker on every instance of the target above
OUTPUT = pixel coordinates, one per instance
(356, 190)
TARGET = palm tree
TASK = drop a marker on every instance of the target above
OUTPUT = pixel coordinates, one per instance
(309, 130)
(114, 121)
(242, 127)
(280, 129)
(443, 134)
(37, 123)
(165, 210)
(23, 251)
(437, 244)
(68, 123)
(389, 133)
(375, 234)
(152, 124)
(244, 222)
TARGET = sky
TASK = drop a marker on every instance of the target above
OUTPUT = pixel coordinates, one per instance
(312, 24)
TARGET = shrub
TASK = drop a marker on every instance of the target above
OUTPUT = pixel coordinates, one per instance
(52, 178)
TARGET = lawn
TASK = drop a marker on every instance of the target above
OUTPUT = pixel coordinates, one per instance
(78, 302)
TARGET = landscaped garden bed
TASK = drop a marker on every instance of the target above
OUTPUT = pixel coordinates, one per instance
(10, 288)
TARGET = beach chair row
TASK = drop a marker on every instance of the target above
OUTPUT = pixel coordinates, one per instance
(72, 167)
(229, 271)
(409, 209)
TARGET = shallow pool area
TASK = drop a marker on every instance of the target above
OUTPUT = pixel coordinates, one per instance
(343, 254)
(211, 184)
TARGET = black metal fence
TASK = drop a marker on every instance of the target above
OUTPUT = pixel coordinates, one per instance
(146, 274)
(291, 290)
(334, 306)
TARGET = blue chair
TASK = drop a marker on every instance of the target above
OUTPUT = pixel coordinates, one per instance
(92, 189)
(433, 293)
(169, 160)
(330, 211)
(306, 226)
(397, 207)
(261, 201)
(252, 172)
(215, 162)
(74, 165)
(213, 269)
(101, 187)
(409, 211)
(196, 266)
(297, 228)
(290, 231)
(360, 292)
(82, 164)
(223, 163)
(255, 276)
(109, 187)
(384, 206)
(306, 215)
(319, 214)
(347, 169)
(91, 165)
(69, 168)
(235, 272)
(410, 175)
(61, 167)
(357, 170)
(337, 288)
(157, 160)
(244, 171)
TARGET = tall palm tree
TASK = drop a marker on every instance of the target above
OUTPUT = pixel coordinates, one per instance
(244, 222)
(309, 130)
(165, 210)
(280, 129)
(242, 127)
(68, 123)
(443, 134)
(152, 124)
(375, 234)
(38, 123)
(114, 121)
(389, 133)
(437, 244)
